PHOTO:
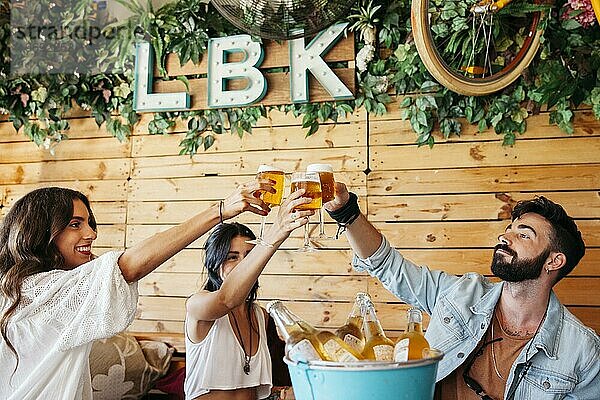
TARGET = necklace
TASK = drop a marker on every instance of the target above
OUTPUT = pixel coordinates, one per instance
(247, 356)
(498, 316)
(498, 374)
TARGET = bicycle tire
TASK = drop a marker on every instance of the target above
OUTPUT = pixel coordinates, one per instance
(596, 7)
(460, 83)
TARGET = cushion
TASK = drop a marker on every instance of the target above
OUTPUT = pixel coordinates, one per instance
(122, 367)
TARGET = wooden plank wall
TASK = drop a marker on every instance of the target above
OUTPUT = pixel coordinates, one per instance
(443, 207)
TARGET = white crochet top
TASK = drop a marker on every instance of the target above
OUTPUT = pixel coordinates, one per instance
(60, 314)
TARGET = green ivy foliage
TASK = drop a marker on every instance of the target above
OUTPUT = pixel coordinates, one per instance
(564, 76)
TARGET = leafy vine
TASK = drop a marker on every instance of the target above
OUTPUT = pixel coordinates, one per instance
(563, 77)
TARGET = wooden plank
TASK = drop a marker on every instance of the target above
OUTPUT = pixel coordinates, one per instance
(391, 131)
(275, 119)
(284, 262)
(276, 54)
(161, 308)
(413, 235)
(581, 204)
(145, 325)
(104, 212)
(590, 316)
(172, 212)
(137, 233)
(79, 128)
(81, 149)
(576, 291)
(279, 138)
(341, 159)
(485, 179)
(460, 234)
(112, 212)
(106, 190)
(581, 150)
(278, 82)
(48, 171)
(111, 236)
(298, 287)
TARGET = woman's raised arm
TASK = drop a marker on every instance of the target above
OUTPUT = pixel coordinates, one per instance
(141, 259)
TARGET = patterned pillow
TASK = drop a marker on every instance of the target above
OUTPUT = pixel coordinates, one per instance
(123, 368)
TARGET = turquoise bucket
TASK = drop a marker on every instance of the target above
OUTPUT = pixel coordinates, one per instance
(370, 380)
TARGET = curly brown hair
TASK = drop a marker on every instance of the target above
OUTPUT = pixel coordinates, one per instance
(27, 245)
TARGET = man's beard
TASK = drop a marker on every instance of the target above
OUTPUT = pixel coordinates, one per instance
(518, 269)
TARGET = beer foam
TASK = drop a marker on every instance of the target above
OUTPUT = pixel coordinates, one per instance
(306, 179)
(319, 168)
(267, 168)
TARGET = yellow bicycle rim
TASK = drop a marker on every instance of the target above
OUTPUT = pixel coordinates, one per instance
(596, 7)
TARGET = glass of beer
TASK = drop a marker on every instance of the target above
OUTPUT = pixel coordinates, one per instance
(310, 182)
(325, 172)
(272, 199)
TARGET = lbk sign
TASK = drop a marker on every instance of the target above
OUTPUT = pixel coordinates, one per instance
(217, 90)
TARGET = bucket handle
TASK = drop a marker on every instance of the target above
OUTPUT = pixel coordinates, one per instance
(304, 367)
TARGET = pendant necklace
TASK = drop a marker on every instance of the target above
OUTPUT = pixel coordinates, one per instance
(247, 356)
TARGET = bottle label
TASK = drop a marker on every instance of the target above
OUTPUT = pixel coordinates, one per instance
(353, 342)
(401, 350)
(383, 352)
(303, 351)
(337, 352)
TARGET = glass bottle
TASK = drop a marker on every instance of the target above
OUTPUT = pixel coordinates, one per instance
(410, 344)
(300, 345)
(351, 332)
(377, 345)
(335, 348)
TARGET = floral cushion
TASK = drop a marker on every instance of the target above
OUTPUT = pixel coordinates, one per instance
(121, 367)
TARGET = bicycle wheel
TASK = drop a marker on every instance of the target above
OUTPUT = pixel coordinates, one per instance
(473, 47)
(596, 7)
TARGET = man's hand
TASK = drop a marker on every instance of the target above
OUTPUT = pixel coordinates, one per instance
(341, 197)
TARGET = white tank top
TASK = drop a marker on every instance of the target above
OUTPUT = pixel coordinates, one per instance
(216, 363)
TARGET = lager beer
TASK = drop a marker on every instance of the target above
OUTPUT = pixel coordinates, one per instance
(309, 181)
(276, 175)
(325, 172)
(377, 346)
(411, 344)
(312, 188)
(300, 345)
(335, 348)
(351, 332)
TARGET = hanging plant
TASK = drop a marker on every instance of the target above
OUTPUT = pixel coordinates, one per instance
(565, 75)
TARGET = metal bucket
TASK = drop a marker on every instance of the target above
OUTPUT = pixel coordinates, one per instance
(369, 380)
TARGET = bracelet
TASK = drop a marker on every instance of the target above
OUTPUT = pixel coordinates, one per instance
(221, 205)
(346, 215)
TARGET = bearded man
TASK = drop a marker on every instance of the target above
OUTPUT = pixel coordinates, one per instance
(507, 340)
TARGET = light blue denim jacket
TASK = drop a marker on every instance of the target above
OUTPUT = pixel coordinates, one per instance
(565, 354)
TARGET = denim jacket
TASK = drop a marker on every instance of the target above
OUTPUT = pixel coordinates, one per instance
(564, 355)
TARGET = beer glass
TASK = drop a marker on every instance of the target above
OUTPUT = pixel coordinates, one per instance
(325, 172)
(310, 182)
(272, 199)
